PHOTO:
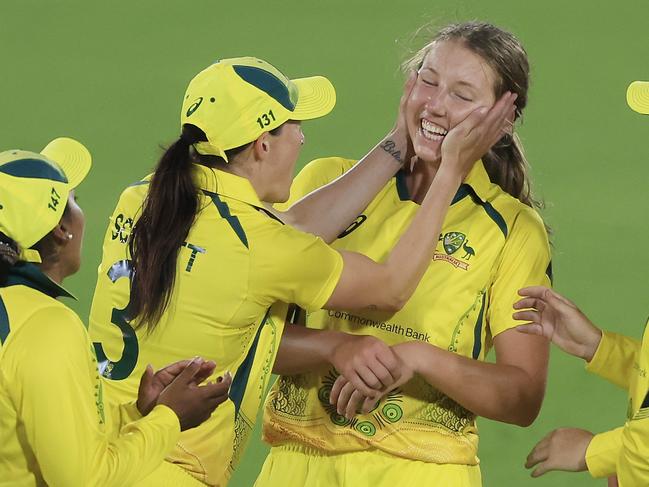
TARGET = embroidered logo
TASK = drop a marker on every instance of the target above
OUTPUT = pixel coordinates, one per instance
(452, 242)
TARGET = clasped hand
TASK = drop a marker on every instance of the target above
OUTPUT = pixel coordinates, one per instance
(369, 369)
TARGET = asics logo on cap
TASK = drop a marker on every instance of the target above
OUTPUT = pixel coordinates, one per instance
(194, 106)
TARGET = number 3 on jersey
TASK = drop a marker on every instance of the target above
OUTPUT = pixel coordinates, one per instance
(124, 366)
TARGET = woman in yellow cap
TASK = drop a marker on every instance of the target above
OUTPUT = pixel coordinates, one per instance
(491, 243)
(207, 259)
(622, 453)
(54, 426)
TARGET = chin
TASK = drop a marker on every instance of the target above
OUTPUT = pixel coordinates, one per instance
(428, 156)
(426, 153)
(278, 197)
(282, 199)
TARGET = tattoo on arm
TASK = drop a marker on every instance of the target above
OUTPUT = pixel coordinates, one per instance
(389, 146)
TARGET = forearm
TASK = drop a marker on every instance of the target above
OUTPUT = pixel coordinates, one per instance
(345, 198)
(388, 285)
(121, 414)
(149, 440)
(495, 391)
(302, 349)
(409, 259)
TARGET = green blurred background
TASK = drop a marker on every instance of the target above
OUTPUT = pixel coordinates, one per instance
(113, 73)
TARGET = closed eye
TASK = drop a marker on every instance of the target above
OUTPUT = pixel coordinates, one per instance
(463, 97)
(429, 82)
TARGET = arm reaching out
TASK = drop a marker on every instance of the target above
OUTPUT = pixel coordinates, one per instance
(344, 198)
(559, 320)
(388, 285)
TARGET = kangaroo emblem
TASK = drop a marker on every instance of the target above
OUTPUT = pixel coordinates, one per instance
(469, 250)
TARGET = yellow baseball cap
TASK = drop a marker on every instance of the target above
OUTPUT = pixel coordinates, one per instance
(637, 96)
(34, 189)
(235, 100)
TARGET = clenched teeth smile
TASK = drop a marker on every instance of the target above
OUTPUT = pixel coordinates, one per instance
(432, 131)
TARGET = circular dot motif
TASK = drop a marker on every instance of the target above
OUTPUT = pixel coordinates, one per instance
(392, 412)
(365, 427)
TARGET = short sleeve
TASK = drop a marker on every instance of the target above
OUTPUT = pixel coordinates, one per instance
(525, 261)
(294, 267)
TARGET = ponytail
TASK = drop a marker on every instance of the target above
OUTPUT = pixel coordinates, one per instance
(168, 213)
(508, 168)
(9, 255)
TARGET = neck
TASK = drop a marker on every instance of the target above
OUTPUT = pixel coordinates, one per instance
(249, 170)
(53, 271)
(419, 177)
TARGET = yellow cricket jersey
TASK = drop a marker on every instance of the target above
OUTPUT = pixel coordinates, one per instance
(54, 429)
(237, 262)
(623, 451)
(491, 245)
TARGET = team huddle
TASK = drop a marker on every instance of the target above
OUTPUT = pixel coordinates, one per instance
(374, 288)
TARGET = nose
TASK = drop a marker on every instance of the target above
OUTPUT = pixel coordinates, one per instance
(436, 103)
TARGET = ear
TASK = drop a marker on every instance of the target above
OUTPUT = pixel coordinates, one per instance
(261, 146)
(61, 234)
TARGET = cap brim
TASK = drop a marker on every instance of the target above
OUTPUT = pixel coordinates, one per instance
(637, 96)
(71, 156)
(317, 97)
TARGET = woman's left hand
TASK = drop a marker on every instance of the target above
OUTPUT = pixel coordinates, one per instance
(469, 140)
(153, 383)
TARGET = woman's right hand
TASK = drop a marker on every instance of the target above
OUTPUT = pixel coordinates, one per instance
(193, 403)
(472, 138)
(367, 363)
(349, 400)
(558, 319)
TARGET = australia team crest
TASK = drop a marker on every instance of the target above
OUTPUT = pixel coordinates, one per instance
(452, 242)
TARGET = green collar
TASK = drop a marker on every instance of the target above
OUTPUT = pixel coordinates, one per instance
(27, 274)
(477, 179)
